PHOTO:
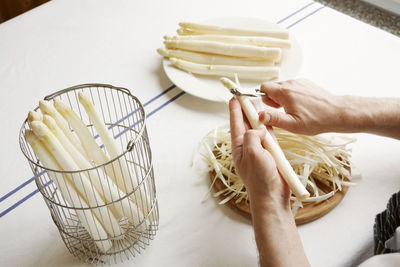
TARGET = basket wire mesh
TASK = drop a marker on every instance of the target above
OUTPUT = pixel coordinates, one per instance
(133, 215)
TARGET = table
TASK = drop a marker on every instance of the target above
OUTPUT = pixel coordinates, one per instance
(64, 43)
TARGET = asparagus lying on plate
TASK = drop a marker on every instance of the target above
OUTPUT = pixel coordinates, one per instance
(200, 28)
(204, 49)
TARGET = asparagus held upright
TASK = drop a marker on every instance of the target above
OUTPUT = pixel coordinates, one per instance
(270, 144)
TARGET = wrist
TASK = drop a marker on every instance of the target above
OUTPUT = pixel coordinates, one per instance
(355, 114)
(278, 206)
(371, 115)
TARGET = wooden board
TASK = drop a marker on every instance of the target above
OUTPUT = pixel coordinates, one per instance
(310, 211)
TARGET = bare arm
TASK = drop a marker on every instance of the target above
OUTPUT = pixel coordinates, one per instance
(275, 231)
(311, 110)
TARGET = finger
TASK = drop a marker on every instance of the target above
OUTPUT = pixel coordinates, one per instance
(268, 101)
(252, 140)
(279, 119)
(237, 123)
(273, 91)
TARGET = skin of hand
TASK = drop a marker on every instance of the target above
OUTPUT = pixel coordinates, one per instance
(309, 109)
(277, 238)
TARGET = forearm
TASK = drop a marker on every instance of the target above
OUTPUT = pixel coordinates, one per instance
(277, 238)
(379, 116)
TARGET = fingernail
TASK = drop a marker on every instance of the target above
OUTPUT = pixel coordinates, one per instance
(266, 118)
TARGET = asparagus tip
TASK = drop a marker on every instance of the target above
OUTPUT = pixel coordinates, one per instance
(33, 116)
(162, 51)
(60, 105)
(45, 106)
(228, 83)
(39, 128)
(49, 121)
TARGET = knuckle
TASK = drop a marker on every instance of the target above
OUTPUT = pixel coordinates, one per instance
(249, 134)
(274, 118)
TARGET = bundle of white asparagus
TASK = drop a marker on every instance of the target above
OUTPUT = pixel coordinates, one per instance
(58, 148)
(252, 54)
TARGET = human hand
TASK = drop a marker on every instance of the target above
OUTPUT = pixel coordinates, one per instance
(309, 109)
(254, 164)
(274, 226)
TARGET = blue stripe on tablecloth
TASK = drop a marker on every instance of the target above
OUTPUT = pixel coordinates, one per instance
(294, 13)
(303, 18)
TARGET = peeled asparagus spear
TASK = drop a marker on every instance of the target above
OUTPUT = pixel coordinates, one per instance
(199, 28)
(89, 144)
(249, 40)
(99, 179)
(115, 151)
(48, 109)
(34, 116)
(227, 49)
(94, 151)
(88, 221)
(80, 180)
(212, 59)
(261, 73)
(270, 144)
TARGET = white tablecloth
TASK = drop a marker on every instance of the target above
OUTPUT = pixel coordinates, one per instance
(64, 43)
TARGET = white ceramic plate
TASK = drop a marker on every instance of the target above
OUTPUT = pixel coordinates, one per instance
(209, 87)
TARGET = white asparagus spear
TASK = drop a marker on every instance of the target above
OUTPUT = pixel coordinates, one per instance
(126, 179)
(219, 48)
(48, 109)
(249, 40)
(259, 73)
(98, 178)
(94, 151)
(34, 116)
(212, 59)
(89, 144)
(270, 144)
(88, 221)
(81, 181)
(199, 28)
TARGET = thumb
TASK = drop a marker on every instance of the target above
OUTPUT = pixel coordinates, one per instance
(272, 117)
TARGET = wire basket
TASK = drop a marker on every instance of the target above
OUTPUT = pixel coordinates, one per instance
(132, 217)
